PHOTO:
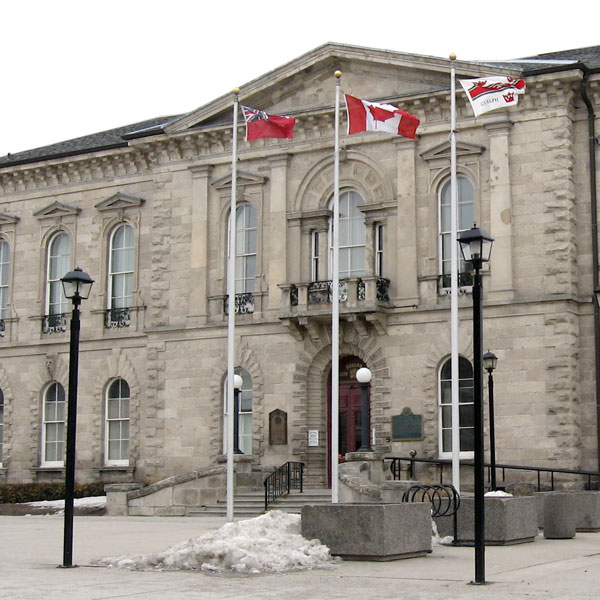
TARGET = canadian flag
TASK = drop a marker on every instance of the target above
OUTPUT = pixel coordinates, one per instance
(374, 116)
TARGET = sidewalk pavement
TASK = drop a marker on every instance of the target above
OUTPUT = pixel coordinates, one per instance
(31, 549)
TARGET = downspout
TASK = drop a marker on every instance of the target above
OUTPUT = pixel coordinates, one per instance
(594, 215)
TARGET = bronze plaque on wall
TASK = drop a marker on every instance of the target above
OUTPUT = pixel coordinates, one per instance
(407, 427)
(277, 428)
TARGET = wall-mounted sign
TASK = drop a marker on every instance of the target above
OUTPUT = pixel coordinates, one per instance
(313, 437)
(277, 428)
(407, 427)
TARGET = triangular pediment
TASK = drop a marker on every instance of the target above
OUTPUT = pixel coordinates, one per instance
(119, 201)
(243, 179)
(6, 219)
(57, 209)
(307, 83)
(443, 150)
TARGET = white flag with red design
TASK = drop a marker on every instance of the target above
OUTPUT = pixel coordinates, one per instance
(374, 116)
(489, 93)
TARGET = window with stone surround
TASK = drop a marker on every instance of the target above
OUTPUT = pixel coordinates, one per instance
(245, 249)
(465, 401)
(58, 265)
(53, 426)
(4, 276)
(465, 219)
(121, 259)
(116, 449)
(245, 412)
(352, 234)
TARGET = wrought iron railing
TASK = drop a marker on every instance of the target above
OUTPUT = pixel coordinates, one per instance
(244, 304)
(289, 476)
(54, 323)
(382, 289)
(2, 328)
(117, 317)
(592, 477)
(321, 292)
(465, 280)
(444, 500)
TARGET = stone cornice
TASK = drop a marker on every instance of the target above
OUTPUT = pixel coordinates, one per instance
(313, 127)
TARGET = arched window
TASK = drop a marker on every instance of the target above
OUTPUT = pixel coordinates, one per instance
(245, 408)
(53, 426)
(121, 267)
(59, 264)
(245, 248)
(4, 276)
(351, 236)
(465, 402)
(117, 423)
(1, 424)
(465, 195)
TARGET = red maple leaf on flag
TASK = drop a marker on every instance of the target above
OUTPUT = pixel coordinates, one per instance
(380, 114)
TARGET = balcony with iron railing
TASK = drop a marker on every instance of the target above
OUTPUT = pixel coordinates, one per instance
(359, 297)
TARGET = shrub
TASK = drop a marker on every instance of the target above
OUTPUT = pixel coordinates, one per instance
(14, 493)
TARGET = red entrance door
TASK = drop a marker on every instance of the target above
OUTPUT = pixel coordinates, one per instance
(349, 435)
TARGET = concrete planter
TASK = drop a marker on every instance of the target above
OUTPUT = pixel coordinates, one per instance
(364, 531)
(570, 511)
(508, 520)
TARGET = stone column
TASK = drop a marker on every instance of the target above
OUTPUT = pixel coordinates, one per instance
(199, 244)
(276, 249)
(402, 238)
(501, 280)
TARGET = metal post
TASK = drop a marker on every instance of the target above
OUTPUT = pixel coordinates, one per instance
(478, 432)
(365, 445)
(236, 422)
(71, 434)
(492, 430)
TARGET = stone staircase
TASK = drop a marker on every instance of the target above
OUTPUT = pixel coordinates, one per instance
(252, 504)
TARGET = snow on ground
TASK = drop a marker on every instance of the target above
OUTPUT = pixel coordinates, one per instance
(270, 543)
(498, 494)
(90, 502)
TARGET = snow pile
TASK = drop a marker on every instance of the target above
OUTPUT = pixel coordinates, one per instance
(498, 494)
(92, 502)
(437, 539)
(269, 543)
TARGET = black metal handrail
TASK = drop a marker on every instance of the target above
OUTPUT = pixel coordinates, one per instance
(396, 466)
(444, 500)
(289, 476)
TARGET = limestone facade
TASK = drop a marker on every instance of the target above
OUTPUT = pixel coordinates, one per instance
(529, 170)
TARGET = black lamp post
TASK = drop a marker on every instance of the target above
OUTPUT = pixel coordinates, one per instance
(490, 360)
(238, 382)
(363, 375)
(77, 286)
(476, 246)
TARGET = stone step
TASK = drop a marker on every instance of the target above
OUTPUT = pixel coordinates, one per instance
(251, 504)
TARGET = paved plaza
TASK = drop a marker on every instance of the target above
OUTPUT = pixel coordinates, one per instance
(31, 549)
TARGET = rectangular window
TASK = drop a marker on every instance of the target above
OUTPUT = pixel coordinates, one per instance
(379, 250)
(314, 259)
(117, 423)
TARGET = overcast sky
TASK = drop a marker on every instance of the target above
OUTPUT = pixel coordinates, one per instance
(72, 68)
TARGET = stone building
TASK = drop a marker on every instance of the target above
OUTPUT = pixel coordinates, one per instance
(144, 210)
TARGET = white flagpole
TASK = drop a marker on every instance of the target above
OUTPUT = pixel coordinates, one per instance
(454, 283)
(231, 309)
(335, 296)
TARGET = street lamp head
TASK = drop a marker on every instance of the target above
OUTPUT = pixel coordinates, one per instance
(364, 375)
(238, 382)
(490, 360)
(476, 246)
(77, 284)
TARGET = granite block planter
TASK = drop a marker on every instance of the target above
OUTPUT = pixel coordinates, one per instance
(362, 531)
(561, 514)
(508, 520)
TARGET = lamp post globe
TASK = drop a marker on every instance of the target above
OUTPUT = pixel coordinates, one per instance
(364, 376)
(238, 382)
